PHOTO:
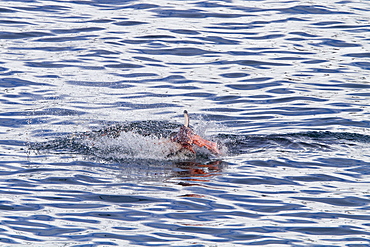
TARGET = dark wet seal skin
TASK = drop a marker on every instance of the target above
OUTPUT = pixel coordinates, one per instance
(187, 138)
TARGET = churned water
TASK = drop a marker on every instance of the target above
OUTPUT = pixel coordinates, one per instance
(282, 86)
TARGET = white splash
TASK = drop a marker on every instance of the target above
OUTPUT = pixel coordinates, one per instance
(130, 145)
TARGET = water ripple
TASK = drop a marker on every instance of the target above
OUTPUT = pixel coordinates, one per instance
(89, 88)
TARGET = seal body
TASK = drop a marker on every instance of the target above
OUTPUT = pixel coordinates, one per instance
(187, 138)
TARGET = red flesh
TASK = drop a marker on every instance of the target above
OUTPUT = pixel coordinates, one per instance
(187, 138)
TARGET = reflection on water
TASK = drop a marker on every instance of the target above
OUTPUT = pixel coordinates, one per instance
(93, 86)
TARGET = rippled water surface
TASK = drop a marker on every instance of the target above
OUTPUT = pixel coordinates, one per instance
(282, 86)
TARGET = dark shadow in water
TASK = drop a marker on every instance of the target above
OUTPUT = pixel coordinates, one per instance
(310, 141)
(235, 144)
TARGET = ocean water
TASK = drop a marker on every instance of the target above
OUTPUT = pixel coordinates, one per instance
(91, 90)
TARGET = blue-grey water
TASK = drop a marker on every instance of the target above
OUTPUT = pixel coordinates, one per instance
(282, 86)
